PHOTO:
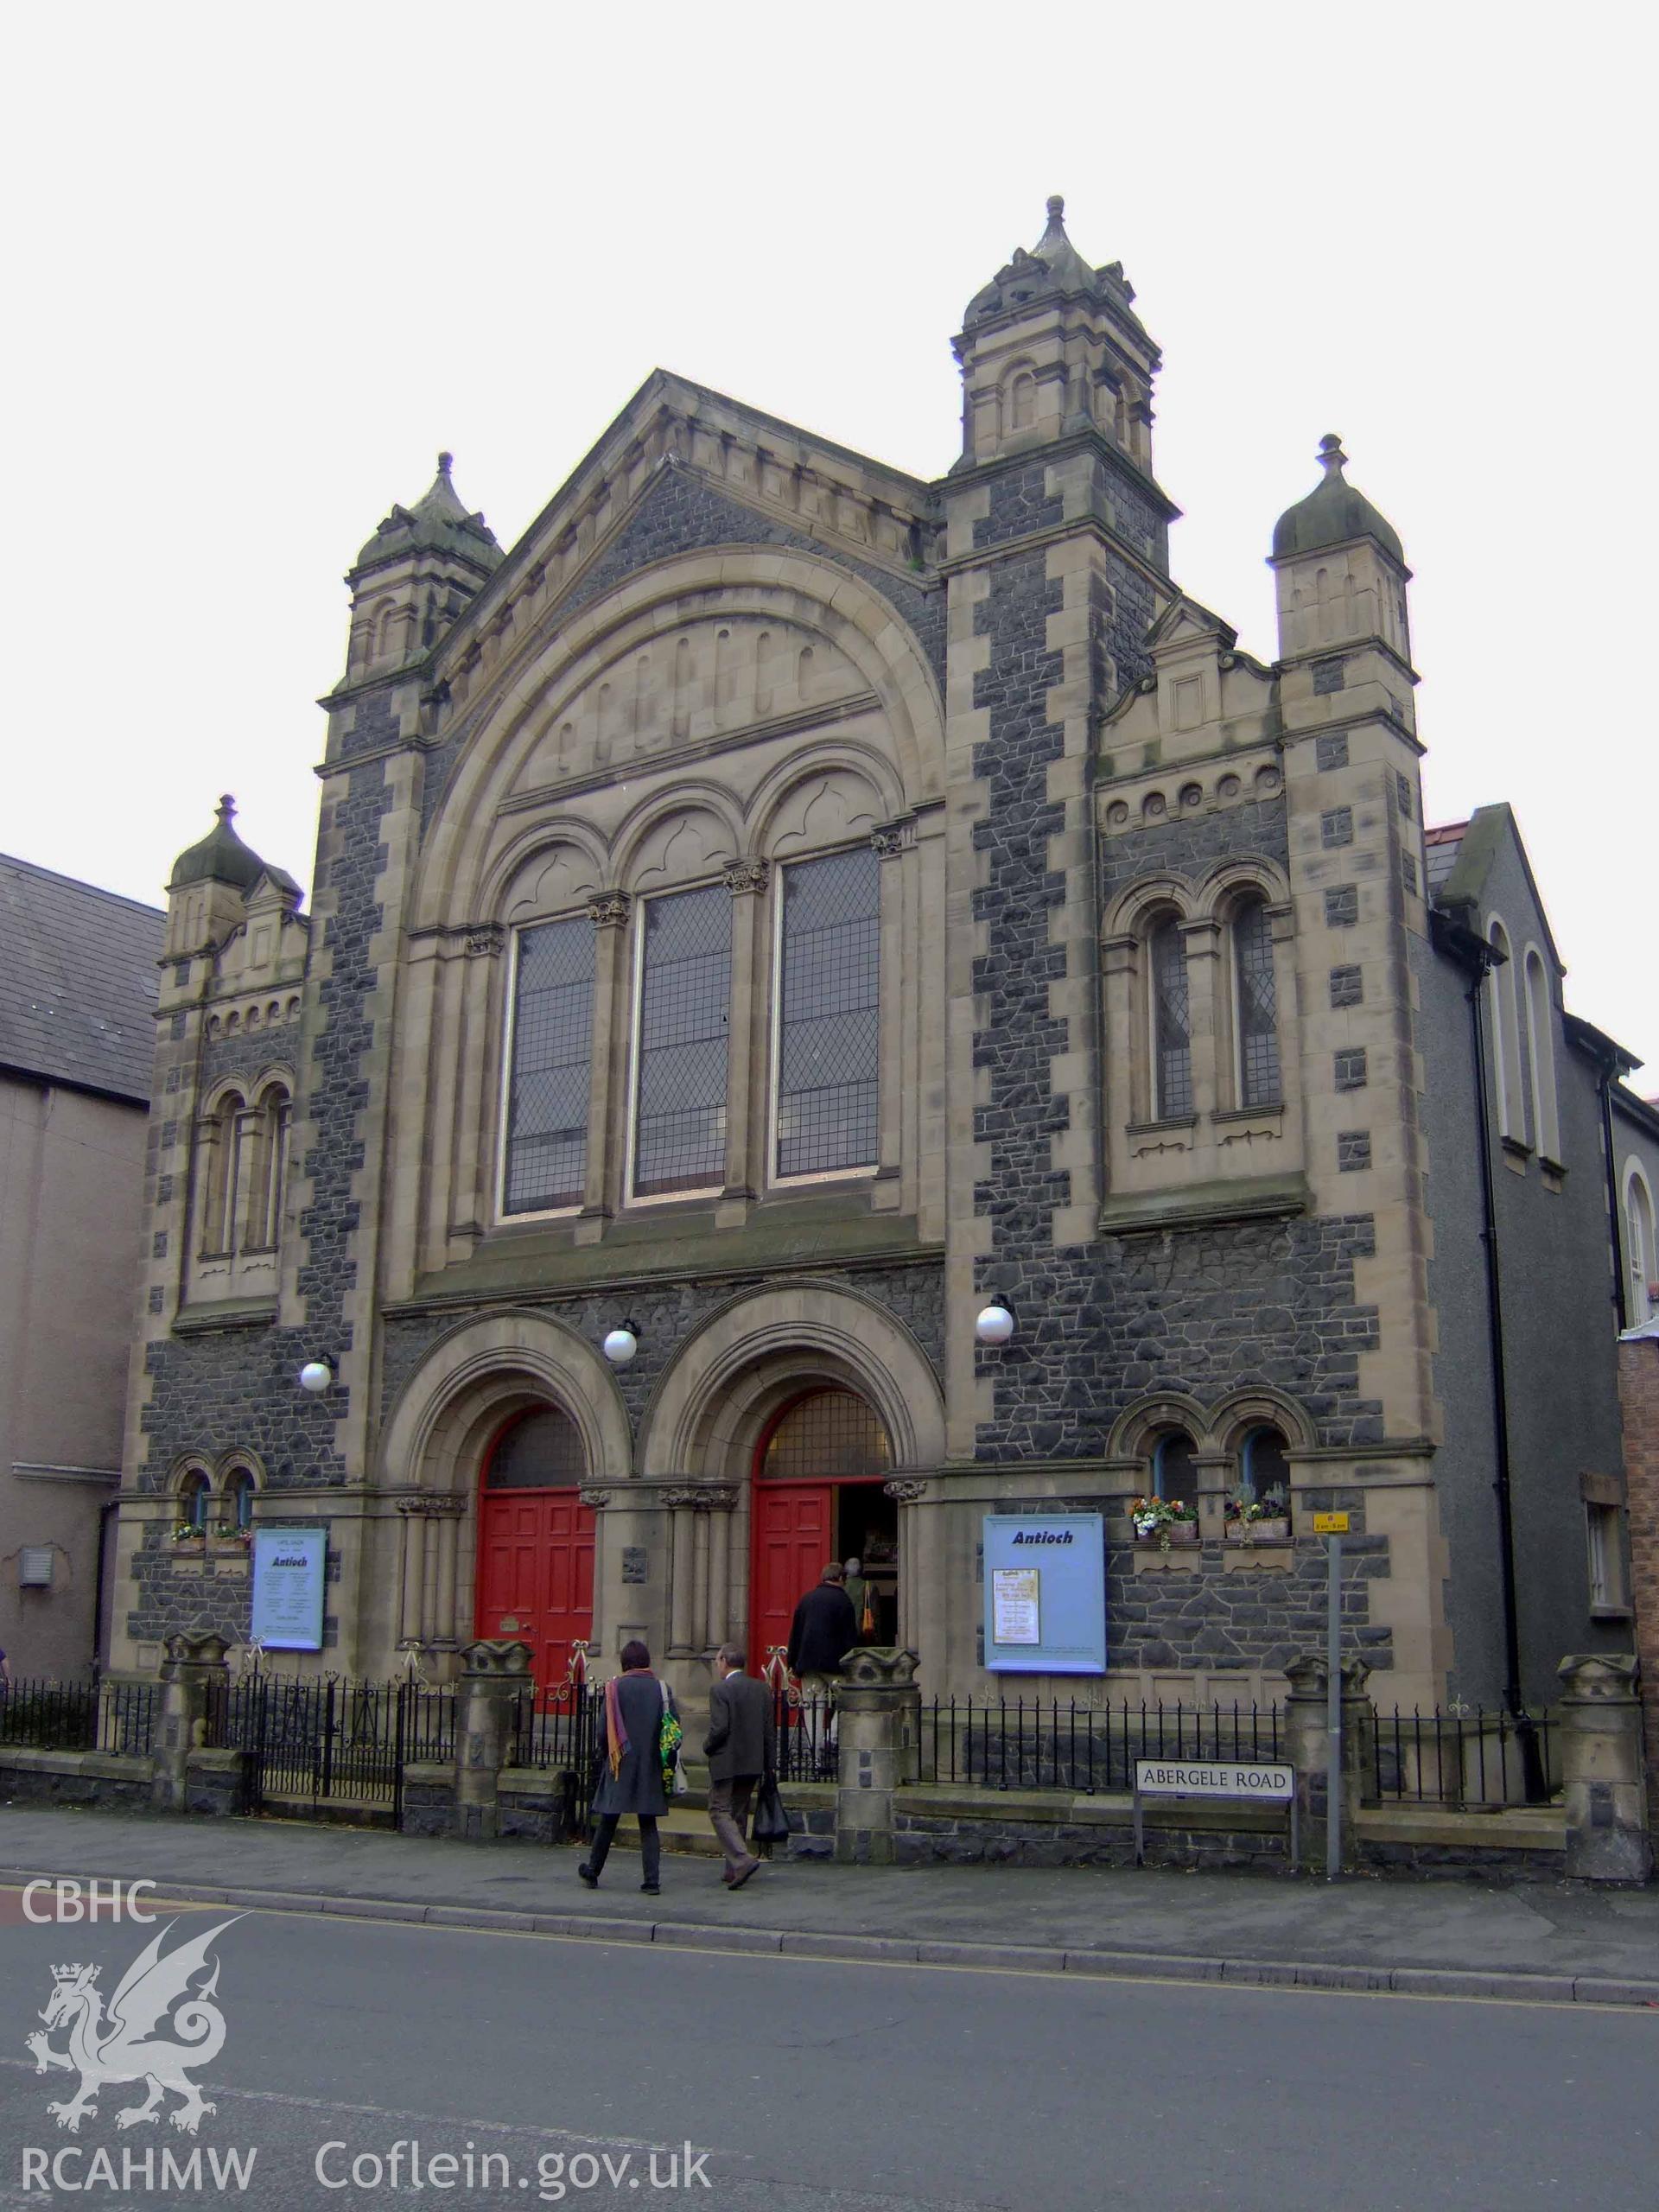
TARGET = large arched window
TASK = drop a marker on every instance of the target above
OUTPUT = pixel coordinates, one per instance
(540, 1450)
(1255, 1021)
(267, 1168)
(1640, 1257)
(827, 1063)
(1540, 1052)
(1171, 1020)
(827, 1433)
(545, 1151)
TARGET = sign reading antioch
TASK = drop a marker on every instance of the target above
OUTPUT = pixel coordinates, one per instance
(290, 1569)
(1045, 1593)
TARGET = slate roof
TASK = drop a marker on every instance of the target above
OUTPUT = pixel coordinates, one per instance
(78, 981)
(1442, 845)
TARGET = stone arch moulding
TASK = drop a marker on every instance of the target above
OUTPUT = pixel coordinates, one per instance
(797, 782)
(1127, 911)
(484, 1370)
(1262, 1406)
(238, 1459)
(750, 1347)
(688, 806)
(1241, 871)
(512, 873)
(497, 735)
(1134, 1430)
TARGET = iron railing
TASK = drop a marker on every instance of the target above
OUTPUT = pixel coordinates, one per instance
(1057, 1744)
(562, 1731)
(328, 1739)
(1470, 1757)
(89, 1715)
(804, 1734)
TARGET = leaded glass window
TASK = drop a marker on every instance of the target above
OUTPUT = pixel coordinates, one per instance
(828, 1026)
(1258, 1029)
(552, 1051)
(1172, 1023)
(827, 1433)
(685, 982)
(1175, 1472)
(539, 1451)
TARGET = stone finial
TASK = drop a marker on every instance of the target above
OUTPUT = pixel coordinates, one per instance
(446, 462)
(226, 811)
(1332, 458)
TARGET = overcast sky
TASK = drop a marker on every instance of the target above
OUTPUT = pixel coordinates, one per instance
(264, 263)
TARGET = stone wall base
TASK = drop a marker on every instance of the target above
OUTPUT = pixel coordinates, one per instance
(32, 1778)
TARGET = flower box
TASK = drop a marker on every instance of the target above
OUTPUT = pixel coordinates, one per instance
(1274, 1530)
(1172, 1532)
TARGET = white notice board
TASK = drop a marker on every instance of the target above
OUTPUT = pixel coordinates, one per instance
(290, 1570)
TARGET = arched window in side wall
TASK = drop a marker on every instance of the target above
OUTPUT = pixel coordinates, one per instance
(1171, 1012)
(194, 1494)
(1641, 1297)
(1256, 1006)
(268, 1168)
(1264, 1468)
(221, 1137)
(1175, 1473)
(1540, 1054)
(1506, 1037)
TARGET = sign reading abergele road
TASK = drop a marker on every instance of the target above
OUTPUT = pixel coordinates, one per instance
(1264, 1779)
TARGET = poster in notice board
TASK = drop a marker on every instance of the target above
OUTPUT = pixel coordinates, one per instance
(290, 1569)
(1045, 1593)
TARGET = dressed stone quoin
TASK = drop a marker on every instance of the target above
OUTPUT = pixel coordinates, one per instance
(835, 1005)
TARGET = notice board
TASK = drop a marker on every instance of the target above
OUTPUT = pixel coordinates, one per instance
(1045, 1593)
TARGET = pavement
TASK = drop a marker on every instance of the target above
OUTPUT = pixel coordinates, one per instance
(1550, 1941)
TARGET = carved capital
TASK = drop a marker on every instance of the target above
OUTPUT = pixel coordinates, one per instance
(906, 1490)
(704, 1497)
(609, 909)
(889, 839)
(432, 1504)
(595, 1500)
(748, 873)
(485, 943)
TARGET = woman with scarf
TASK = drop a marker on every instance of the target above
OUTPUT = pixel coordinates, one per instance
(635, 1701)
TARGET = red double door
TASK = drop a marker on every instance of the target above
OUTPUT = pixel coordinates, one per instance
(536, 1574)
(794, 1536)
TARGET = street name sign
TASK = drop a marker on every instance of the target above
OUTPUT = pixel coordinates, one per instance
(1266, 1780)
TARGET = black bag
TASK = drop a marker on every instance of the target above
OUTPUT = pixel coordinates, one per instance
(771, 1823)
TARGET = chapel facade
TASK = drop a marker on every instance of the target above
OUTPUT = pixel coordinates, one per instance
(783, 907)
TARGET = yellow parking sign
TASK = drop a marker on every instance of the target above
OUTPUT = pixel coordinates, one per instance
(1330, 1524)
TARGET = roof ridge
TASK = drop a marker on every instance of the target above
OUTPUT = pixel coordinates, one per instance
(79, 883)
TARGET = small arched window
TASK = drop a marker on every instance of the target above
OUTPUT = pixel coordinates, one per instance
(236, 1500)
(1256, 1006)
(194, 1492)
(267, 1169)
(1264, 1467)
(538, 1450)
(1175, 1473)
(1022, 401)
(1171, 1012)
(1540, 1052)
(1640, 1256)
(1506, 1037)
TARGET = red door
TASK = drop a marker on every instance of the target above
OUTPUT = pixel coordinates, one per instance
(794, 1529)
(536, 1574)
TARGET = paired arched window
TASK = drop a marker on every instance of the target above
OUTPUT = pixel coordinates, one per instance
(1255, 1006)
(224, 1512)
(1264, 1467)
(236, 1500)
(1641, 1259)
(1171, 1015)
(195, 1497)
(243, 1154)
(1174, 1471)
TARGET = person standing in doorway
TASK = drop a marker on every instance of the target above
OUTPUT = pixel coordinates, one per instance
(635, 1701)
(824, 1629)
(741, 1747)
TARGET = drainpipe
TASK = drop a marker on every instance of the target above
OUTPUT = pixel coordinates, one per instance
(1478, 957)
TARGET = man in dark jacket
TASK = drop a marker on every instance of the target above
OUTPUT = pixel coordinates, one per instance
(824, 1629)
(741, 1747)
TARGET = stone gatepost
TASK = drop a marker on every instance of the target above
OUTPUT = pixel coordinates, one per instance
(1306, 1746)
(1604, 1770)
(192, 1672)
(879, 1724)
(494, 1677)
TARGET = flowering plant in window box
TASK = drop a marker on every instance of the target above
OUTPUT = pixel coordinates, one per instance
(1164, 1521)
(1252, 1520)
(231, 1532)
(186, 1532)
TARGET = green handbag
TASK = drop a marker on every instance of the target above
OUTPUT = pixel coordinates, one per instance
(670, 1736)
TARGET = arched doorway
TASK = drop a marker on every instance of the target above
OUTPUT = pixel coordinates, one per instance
(819, 1493)
(536, 1542)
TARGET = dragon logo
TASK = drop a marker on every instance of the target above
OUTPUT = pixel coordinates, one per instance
(122, 2046)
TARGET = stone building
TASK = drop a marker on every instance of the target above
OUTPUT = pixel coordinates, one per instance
(77, 1001)
(778, 907)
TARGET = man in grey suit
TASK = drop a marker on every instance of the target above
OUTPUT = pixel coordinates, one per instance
(740, 1746)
